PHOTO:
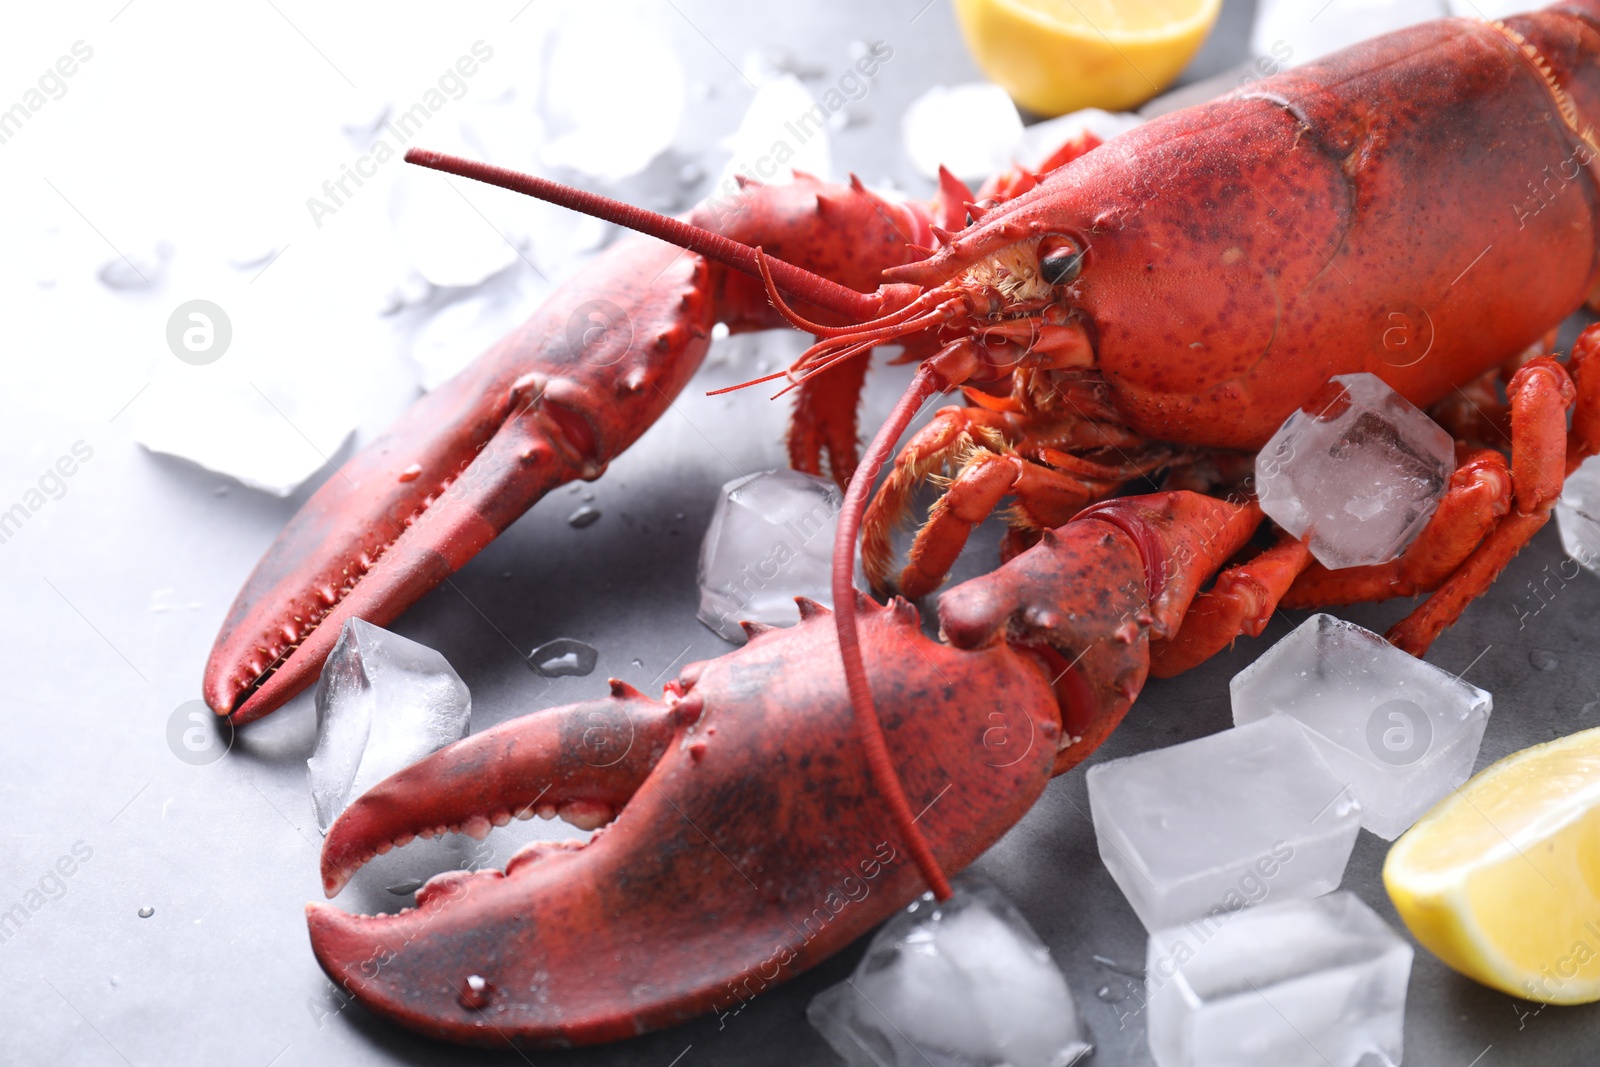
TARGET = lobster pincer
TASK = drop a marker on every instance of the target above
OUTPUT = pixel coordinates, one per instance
(555, 400)
(747, 845)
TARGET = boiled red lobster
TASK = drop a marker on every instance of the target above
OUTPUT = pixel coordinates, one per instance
(1153, 307)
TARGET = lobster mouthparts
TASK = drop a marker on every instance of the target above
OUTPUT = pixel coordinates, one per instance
(749, 844)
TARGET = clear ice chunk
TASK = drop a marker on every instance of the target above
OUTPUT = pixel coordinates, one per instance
(1357, 472)
(968, 128)
(600, 122)
(965, 983)
(1200, 829)
(770, 120)
(770, 540)
(1400, 732)
(1302, 983)
(383, 703)
(1578, 515)
(1039, 142)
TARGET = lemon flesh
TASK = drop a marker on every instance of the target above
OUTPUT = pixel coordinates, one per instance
(1501, 880)
(1056, 56)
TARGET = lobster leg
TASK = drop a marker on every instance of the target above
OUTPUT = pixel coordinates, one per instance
(1478, 496)
(822, 432)
(1540, 394)
(992, 455)
(1241, 602)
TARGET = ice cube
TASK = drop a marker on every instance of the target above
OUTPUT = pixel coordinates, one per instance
(1578, 515)
(968, 128)
(1298, 31)
(614, 94)
(1302, 983)
(1402, 733)
(965, 983)
(383, 702)
(1357, 472)
(770, 540)
(782, 114)
(1213, 825)
(1039, 142)
(264, 435)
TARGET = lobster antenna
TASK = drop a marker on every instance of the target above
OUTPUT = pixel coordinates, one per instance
(812, 288)
(936, 374)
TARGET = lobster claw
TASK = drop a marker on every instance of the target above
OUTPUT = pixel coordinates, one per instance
(749, 843)
(614, 346)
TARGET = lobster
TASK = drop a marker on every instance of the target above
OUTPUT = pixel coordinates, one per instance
(1151, 307)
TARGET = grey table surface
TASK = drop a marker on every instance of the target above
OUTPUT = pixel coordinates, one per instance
(114, 591)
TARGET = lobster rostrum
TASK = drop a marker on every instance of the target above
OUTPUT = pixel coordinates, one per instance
(1151, 307)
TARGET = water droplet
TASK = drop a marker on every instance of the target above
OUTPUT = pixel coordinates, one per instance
(1542, 660)
(145, 913)
(475, 992)
(1112, 994)
(1591, 707)
(584, 516)
(640, 663)
(563, 657)
(405, 888)
(411, 473)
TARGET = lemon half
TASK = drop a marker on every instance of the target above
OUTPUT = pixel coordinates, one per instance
(1056, 56)
(1501, 880)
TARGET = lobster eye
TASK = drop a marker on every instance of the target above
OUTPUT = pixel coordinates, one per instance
(1060, 260)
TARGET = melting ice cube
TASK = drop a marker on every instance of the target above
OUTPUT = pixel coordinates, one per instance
(614, 92)
(965, 983)
(1200, 829)
(383, 702)
(1402, 733)
(968, 128)
(1578, 515)
(1039, 142)
(1357, 472)
(1304, 983)
(770, 540)
(1308, 29)
(782, 113)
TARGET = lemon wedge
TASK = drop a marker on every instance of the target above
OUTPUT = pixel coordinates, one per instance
(1056, 56)
(1501, 880)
